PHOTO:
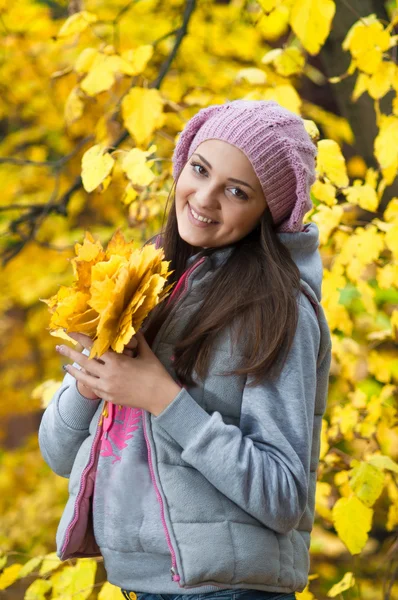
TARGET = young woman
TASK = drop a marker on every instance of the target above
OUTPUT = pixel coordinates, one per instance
(203, 482)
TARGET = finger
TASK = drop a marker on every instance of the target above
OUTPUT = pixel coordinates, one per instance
(85, 379)
(132, 352)
(133, 343)
(90, 365)
(143, 347)
(83, 339)
(83, 370)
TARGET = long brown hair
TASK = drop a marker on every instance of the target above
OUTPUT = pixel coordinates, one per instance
(255, 290)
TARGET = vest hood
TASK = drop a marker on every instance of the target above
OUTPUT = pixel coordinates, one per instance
(303, 247)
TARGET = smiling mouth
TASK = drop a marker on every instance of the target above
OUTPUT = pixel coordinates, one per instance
(197, 217)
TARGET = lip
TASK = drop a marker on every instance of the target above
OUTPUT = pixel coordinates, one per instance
(196, 222)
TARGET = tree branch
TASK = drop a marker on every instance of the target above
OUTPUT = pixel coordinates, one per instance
(40, 211)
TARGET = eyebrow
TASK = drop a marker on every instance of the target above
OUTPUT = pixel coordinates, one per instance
(229, 178)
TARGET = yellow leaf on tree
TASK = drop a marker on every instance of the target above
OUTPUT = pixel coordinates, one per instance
(75, 581)
(311, 21)
(367, 481)
(362, 194)
(273, 25)
(102, 73)
(391, 213)
(361, 86)
(381, 81)
(9, 575)
(85, 60)
(285, 95)
(38, 590)
(352, 521)
(252, 75)
(391, 239)
(330, 162)
(110, 592)
(325, 192)
(96, 166)
(76, 23)
(386, 146)
(367, 40)
(34, 562)
(344, 584)
(138, 58)
(287, 62)
(44, 392)
(74, 106)
(142, 111)
(137, 168)
(327, 220)
(50, 563)
(383, 462)
(322, 495)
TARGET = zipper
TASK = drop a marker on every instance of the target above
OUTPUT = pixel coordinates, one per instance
(174, 572)
(82, 488)
(184, 281)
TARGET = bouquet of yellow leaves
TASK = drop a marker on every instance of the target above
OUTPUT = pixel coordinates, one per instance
(113, 292)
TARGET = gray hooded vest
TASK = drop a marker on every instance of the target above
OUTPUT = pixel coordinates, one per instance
(218, 490)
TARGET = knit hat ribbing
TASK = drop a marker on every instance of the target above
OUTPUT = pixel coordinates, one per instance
(276, 143)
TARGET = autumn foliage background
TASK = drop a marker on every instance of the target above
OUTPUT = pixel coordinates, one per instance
(92, 98)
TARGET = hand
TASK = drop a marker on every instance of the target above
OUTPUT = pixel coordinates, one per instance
(130, 349)
(140, 382)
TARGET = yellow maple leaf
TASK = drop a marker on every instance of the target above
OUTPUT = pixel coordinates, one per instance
(311, 21)
(96, 166)
(352, 521)
(142, 111)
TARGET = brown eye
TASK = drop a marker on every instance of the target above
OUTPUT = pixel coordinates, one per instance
(243, 196)
(197, 165)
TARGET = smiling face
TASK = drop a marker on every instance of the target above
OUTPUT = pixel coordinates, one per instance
(218, 183)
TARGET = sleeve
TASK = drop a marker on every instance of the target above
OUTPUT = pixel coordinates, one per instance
(263, 465)
(65, 425)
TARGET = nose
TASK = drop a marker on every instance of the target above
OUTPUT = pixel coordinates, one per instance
(206, 198)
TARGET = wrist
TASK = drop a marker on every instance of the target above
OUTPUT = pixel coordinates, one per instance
(86, 392)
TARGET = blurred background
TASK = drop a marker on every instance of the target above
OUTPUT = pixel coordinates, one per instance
(93, 95)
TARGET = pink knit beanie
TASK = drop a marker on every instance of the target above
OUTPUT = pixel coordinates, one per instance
(275, 141)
